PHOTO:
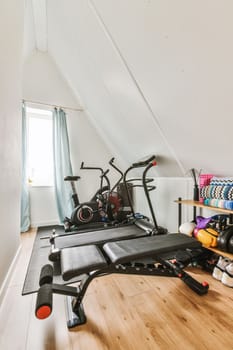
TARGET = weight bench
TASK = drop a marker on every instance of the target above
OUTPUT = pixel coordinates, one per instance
(142, 256)
(138, 228)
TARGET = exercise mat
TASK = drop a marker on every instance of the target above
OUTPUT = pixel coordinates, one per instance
(39, 257)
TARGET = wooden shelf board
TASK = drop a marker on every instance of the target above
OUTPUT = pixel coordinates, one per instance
(220, 252)
(200, 205)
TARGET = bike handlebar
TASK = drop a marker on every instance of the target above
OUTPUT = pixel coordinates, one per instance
(90, 168)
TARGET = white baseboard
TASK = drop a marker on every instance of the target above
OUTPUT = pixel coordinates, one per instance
(44, 223)
(7, 279)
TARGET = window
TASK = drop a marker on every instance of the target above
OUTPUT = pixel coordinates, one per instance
(40, 147)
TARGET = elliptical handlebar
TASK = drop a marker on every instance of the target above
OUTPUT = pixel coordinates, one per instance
(147, 163)
(139, 179)
(104, 173)
(150, 165)
(102, 176)
(141, 164)
(148, 180)
(144, 162)
(157, 229)
(111, 162)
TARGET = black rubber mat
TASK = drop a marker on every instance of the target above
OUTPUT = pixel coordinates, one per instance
(39, 257)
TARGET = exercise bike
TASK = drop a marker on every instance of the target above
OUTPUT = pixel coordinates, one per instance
(105, 207)
(91, 211)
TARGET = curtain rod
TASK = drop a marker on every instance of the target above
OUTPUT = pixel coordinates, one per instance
(55, 106)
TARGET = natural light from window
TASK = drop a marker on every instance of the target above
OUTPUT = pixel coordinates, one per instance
(40, 147)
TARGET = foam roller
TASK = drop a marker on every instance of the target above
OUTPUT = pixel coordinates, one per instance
(44, 301)
(46, 275)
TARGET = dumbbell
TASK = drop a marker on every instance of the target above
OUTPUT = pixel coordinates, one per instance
(230, 245)
(224, 240)
(208, 236)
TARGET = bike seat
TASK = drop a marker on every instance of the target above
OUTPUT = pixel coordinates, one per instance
(72, 178)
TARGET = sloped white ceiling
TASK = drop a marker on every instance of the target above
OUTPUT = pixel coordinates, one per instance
(155, 76)
(29, 30)
(42, 82)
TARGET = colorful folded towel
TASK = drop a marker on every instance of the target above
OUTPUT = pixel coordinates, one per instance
(219, 203)
(217, 192)
(221, 181)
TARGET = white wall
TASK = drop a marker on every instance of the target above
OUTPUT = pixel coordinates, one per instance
(87, 146)
(11, 38)
(42, 82)
(163, 199)
(43, 209)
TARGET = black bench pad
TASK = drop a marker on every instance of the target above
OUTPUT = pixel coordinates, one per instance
(78, 260)
(138, 248)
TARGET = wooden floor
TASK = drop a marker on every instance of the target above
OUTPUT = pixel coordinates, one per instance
(123, 312)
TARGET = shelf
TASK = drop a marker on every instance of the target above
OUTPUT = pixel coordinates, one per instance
(220, 252)
(220, 210)
(200, 205)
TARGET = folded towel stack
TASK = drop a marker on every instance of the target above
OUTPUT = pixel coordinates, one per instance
(218, 193)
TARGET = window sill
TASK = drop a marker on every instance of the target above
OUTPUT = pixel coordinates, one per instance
(39, 185)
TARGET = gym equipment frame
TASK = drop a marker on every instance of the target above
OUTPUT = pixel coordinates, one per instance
(152, 256)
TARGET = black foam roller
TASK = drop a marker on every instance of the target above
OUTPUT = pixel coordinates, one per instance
(44, 301)
(46, 275)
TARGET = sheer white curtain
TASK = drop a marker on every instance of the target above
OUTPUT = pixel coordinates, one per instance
(25, 204)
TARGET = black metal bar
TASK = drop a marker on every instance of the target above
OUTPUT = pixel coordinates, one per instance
(111, 162)
(127, 189)
(194, 213)
(65, 290)
(230, 219)
(179, 212)
(74, 318)
(90, 168)
(93, 168)
(150, 165)
(197, 287)
(140, 164)
(163, 267)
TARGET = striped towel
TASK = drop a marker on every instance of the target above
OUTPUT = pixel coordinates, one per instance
(217, 192)
(221, 181)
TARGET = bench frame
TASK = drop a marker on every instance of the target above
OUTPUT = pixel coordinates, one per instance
(161, 265)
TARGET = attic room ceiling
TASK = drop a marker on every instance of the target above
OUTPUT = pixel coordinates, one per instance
(154, 76)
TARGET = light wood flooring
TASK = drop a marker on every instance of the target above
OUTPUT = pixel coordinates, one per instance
(123, 313)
